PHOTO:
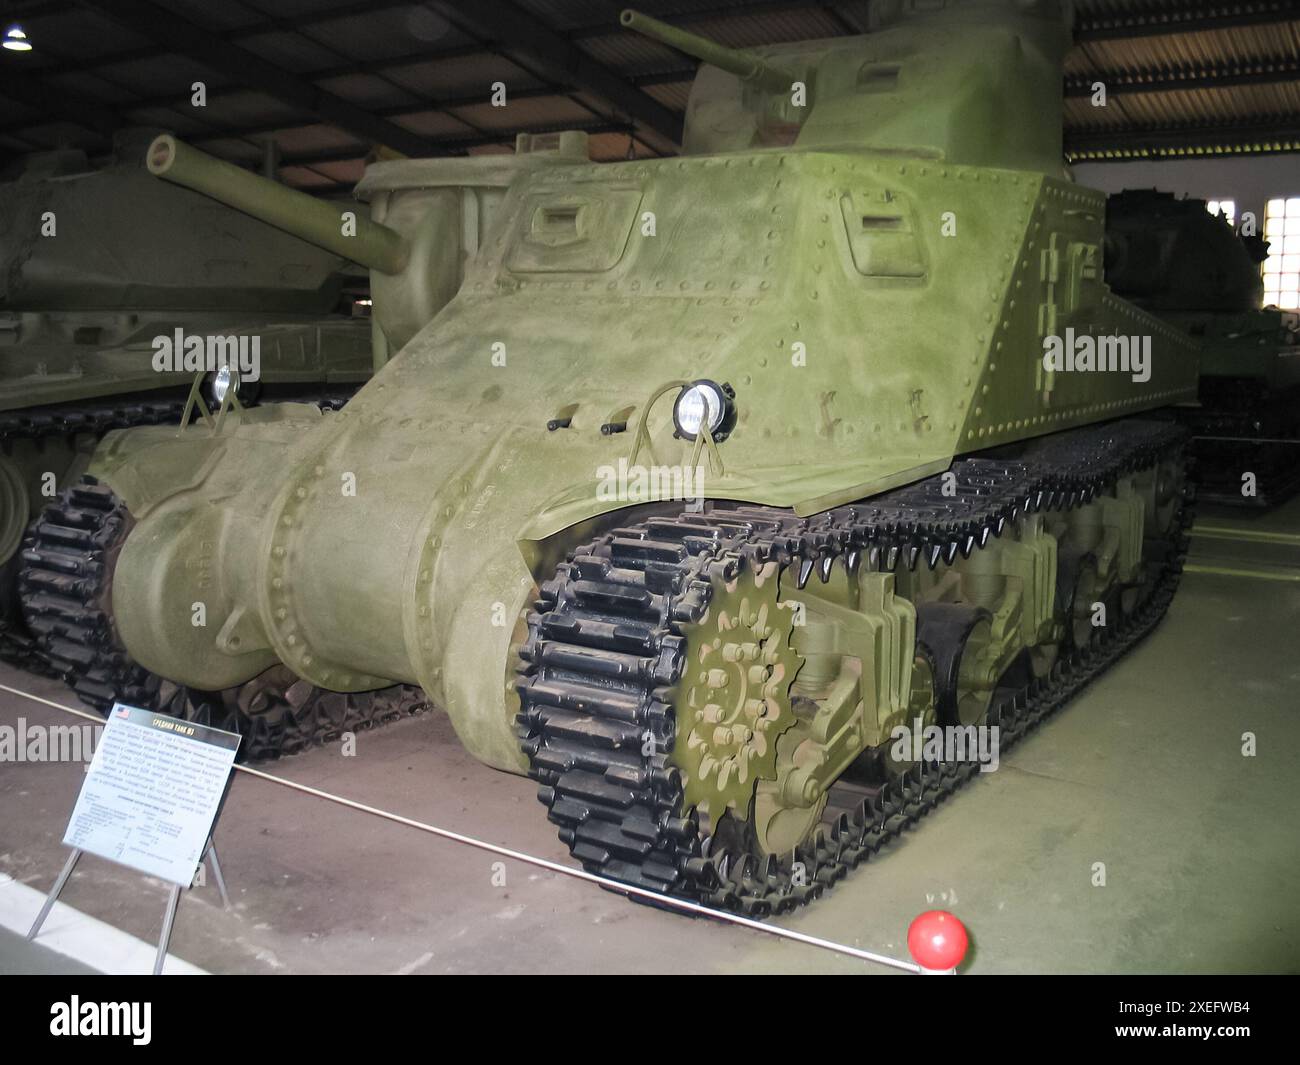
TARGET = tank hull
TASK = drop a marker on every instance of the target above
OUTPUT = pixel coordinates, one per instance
(402, 539)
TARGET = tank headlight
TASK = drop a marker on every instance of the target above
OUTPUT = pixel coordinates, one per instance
(704, 402)
(220, 382)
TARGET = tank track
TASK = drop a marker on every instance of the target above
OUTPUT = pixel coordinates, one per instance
(605, 648)
(1239, 427)
(102, 417)
(96, 418)
(17, 647)
(65, 584)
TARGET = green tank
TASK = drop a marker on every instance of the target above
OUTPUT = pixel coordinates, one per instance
(99, 261)
(718, 478)
(1172, 257)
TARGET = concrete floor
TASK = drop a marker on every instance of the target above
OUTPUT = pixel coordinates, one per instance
(21, 958)
(1144, 772)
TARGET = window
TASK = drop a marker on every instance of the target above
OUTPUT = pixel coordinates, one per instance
(1227, 208)
(1282, 267)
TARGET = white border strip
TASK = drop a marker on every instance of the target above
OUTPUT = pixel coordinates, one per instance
(83, 938)
(670, 901)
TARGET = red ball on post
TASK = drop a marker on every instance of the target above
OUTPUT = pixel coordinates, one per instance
(938, 941)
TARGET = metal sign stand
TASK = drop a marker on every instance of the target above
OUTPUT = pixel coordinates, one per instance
(173, 900)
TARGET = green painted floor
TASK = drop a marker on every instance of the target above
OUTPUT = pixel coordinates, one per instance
(1144, 772)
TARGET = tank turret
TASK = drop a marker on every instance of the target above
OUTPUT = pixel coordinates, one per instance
(976, 82)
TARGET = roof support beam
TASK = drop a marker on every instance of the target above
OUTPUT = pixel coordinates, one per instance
(56, 105)
(446, 105)
(180, 35)
(1155, 20)
(532, 44)
(1143, 22)
(604, 28)
(1279, 73)
(1261, 137)
(673, 76)
(254, 29)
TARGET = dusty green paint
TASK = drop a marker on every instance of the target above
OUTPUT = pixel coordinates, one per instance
(978, 83)
(51, 370)
(363, 241)
(917, 346)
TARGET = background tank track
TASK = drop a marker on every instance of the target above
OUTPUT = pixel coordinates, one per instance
(605, 648)
(66, 585)
(1238, 428)
(124, 413)
(17, 646)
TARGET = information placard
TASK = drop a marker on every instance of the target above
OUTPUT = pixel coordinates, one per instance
(152, 792)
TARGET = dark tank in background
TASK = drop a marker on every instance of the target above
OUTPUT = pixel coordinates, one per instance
(1172, 257)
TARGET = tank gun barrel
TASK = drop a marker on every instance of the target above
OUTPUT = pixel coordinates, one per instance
(743, 65)
(373, 245)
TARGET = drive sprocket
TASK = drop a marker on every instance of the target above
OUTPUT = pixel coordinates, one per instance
(733, 699)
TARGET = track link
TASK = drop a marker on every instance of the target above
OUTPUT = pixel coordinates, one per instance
(606, 647)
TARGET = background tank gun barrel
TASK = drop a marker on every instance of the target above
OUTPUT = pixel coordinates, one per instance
(374, 245)
(745, 66)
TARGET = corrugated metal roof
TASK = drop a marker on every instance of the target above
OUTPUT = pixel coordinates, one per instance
(672, 95)
(436, 124)
(1180, 76)
(295, 52)
(1238, 46)
(631, 53)
(82, 34)
(368, 90)
(567, 15)
(460, 76)
(527, 114)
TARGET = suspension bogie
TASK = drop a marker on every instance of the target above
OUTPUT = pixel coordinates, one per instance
(921, 645)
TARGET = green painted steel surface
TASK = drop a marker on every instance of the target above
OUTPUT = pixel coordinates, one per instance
(369, 243)
(876, 291)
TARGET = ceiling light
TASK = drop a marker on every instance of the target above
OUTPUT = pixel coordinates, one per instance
(16, 41)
